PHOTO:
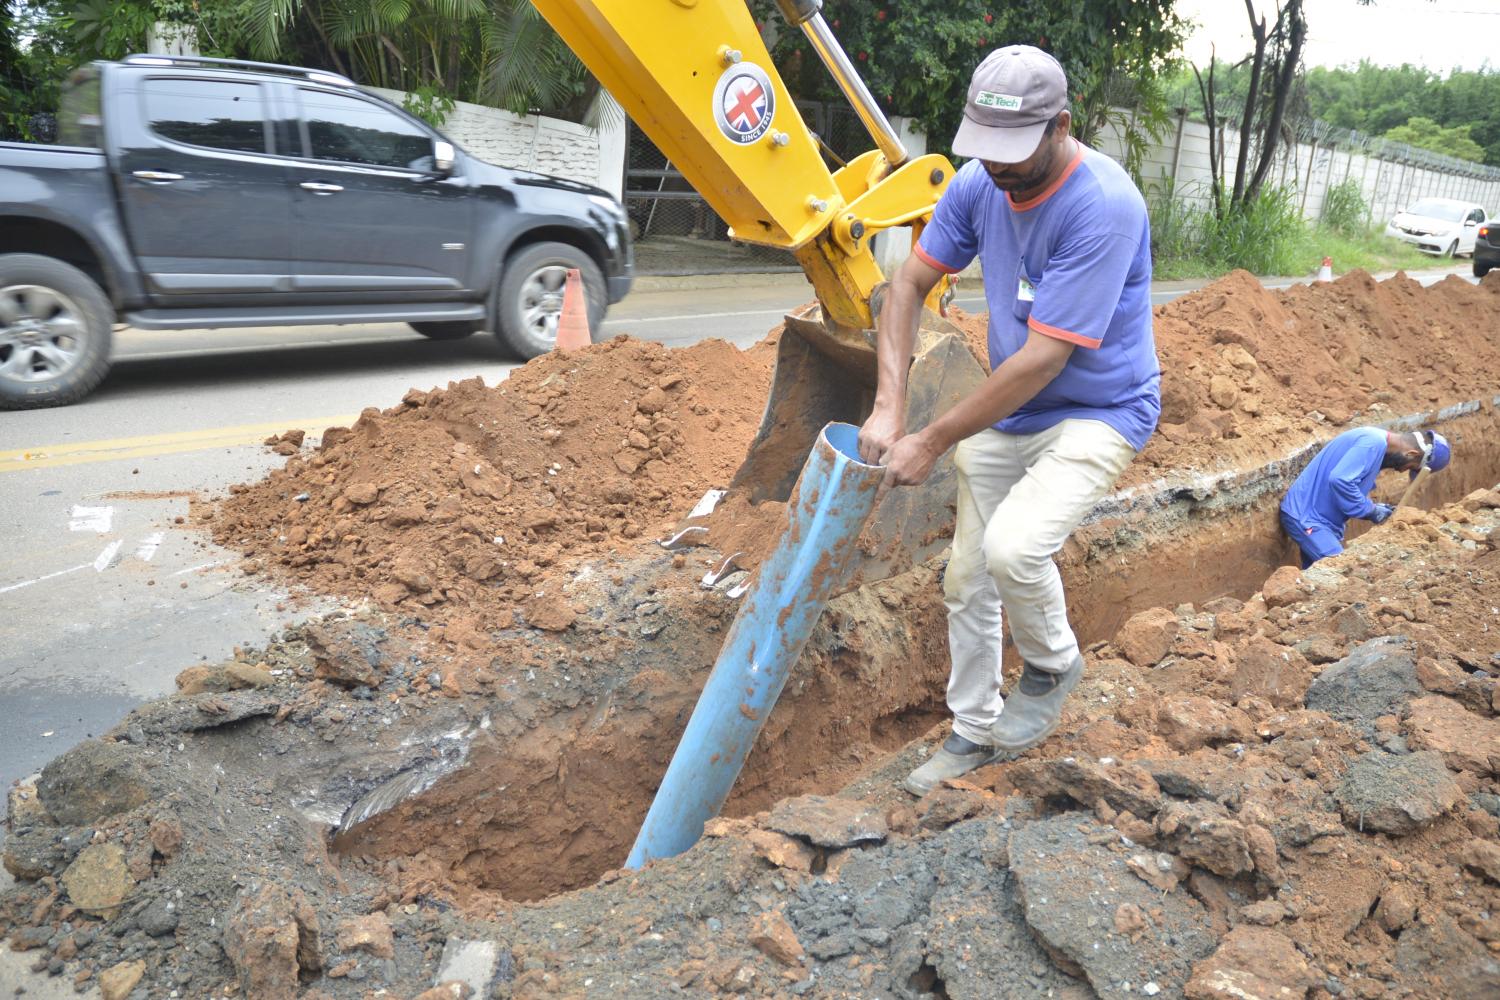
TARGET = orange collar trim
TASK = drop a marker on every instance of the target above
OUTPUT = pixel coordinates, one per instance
(1030, 203)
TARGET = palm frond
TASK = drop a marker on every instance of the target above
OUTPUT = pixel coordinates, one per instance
(458, 10)
(268, 21)
(388, 14)
(527, 65)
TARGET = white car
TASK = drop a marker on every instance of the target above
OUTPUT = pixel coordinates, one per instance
(1438, 225)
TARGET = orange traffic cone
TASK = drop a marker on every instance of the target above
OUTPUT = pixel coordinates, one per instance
(573, 323)
(1325, 273)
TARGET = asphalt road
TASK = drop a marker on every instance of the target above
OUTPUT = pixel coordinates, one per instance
(104, 597)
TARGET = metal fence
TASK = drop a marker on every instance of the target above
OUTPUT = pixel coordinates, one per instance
(1387, 175)
(676, 232)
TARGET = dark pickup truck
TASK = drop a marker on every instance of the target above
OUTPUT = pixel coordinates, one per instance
(198, 193)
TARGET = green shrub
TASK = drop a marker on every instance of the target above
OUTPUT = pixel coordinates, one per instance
(1344, 209)
(429, 103)
(1265, 236)
(1176, 223)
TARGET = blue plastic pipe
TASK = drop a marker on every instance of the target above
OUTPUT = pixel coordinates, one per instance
(834, 497)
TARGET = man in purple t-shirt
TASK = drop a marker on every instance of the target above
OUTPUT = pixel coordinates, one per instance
(1073, 393)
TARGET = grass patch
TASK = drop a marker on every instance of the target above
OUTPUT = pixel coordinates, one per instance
(1269, 237)
(1371, 250)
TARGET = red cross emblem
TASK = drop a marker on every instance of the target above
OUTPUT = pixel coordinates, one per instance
(744, 104)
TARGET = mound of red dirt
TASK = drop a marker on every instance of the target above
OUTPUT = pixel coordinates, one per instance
(1249, 373)
(468, 496)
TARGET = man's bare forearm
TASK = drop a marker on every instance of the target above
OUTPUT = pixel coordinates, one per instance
(896, 331)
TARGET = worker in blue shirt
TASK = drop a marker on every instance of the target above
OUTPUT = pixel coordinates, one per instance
(1336, 484)
(1074, 391)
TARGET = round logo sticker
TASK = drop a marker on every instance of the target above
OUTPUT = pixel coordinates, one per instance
(744, 102)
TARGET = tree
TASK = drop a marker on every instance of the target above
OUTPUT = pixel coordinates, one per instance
(31, 67)
(1375, 99)
(917, 56)
(1425, 133)
(499, 52)
(1273, 66)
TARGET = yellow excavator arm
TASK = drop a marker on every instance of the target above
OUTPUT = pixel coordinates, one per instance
(696, 77)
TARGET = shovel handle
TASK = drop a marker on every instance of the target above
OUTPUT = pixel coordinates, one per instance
(1422, 475)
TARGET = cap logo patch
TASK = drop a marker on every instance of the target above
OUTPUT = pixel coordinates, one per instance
(990, 99)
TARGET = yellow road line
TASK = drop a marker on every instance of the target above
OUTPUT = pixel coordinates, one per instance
(145, 445)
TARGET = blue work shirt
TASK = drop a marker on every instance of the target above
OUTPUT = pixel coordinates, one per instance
(1073, 263)
(1336, 484)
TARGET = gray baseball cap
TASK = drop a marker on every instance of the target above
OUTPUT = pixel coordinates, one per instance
(1014, 93)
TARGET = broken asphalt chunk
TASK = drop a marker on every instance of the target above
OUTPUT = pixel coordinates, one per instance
(1124, 786)
(1396, 793)
(828, 822)
(93, 781)
(1377, 678)
(1070, 890)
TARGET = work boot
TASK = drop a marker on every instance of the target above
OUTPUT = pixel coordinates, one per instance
(957, 756)
(1033, 710)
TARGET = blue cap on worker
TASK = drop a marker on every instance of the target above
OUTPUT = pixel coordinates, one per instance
(1436, 452)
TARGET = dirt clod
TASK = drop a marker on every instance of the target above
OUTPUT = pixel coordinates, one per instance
(371, 934)
(773, 935)
(1253, 962)
(272, 939)
(828, 822)
(1467, 741)
(1147, 637)
(117, 981)
(98, 880)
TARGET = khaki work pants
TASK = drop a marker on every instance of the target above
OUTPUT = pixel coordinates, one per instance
(1019, 498)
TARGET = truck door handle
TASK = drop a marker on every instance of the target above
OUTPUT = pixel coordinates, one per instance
(317, 188)
(156, 176)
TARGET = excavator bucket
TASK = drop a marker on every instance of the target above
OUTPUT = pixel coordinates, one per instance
(825, 373)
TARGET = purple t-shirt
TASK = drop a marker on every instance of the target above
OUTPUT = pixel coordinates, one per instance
(1072, 263)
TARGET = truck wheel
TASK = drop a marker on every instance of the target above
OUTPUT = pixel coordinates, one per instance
(1480, 270)
(455, 330)
(55, 331)
(531, 296)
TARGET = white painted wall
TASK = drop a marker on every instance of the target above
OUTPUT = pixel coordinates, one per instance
(532, 142)
(1387, 184)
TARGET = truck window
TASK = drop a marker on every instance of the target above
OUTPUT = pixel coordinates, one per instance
(349, 130)
(209, 113)
(78, 116)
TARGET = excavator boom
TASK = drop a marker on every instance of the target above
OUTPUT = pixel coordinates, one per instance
(696, 77)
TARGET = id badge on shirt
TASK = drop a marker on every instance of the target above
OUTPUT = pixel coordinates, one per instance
(1025, 292)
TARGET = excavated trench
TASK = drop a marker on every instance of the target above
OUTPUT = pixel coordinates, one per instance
(550, 799)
